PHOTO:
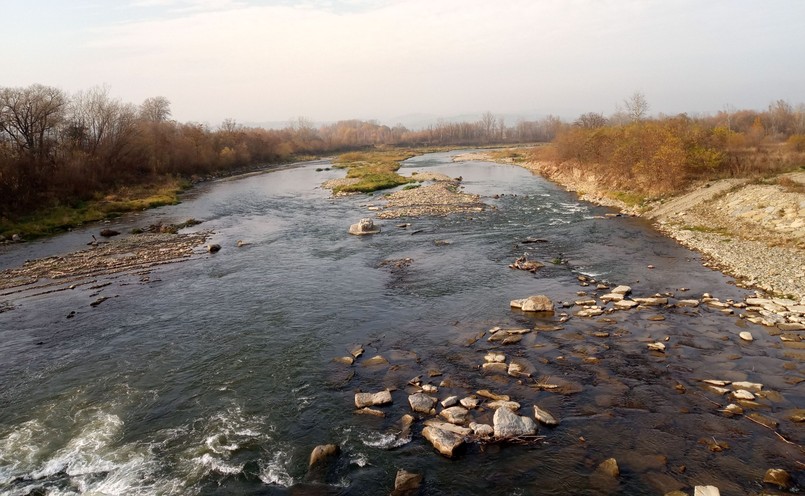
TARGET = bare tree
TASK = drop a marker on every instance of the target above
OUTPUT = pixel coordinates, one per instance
(487, 124)
(591, 120)
(99, 124)
(155, 109)
(637, 106)
(30, 117)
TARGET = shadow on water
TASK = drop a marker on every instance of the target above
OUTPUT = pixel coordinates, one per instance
(216, 375)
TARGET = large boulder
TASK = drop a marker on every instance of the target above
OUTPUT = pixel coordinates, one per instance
(422, 403)
(537, 303)
(364, 226)
(323, 452)
(406, 483)
(508, 424)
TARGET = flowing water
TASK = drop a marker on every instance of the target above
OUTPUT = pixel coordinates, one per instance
(215, 376)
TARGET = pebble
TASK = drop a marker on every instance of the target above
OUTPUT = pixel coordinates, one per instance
(746, 336)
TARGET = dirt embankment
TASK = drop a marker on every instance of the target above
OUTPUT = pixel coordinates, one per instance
(752, 230)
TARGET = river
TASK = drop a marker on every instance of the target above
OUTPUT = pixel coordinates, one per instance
(216, 375)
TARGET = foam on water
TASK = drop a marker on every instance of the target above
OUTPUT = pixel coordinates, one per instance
(275, 470)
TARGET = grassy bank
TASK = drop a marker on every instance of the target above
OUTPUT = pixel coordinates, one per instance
(63, 217)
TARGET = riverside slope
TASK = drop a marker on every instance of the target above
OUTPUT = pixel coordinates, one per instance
(755, 232)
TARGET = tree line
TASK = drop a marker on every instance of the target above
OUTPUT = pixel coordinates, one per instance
(60, 149)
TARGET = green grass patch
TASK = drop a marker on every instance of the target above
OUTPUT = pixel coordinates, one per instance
(374, 169)
(708, 229)
(62, 217)
(631, 199)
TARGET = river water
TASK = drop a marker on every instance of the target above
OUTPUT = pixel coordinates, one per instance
(216, 375)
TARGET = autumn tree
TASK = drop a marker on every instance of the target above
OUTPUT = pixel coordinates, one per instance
(591, 120)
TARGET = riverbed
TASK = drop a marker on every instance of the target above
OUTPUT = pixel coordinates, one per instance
(216, 375)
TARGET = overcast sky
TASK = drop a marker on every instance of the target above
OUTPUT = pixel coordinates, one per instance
(273, 60)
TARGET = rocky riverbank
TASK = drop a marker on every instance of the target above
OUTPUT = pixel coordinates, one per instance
(752, 230)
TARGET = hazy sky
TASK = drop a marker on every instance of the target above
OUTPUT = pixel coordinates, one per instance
(273, 60)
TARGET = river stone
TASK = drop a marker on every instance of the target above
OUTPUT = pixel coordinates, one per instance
(429, 388)
(609, 467)
(495, 368)
(612, 297)
(746, 336)
(623, 290)
(455, 414)
(511, 405)
(372, 399)
(449, 401)
(537, 303)
(322, 452)
(508, 424)
(516, 303)
(406, 483)
(656, 347)
(482, 430)
(716, 382)
(733, 409)
(751, 386)
(777, 477)
(590, 312)
(346, 360)
(375, 360)
(584, 303)
(676, 493)
(687, 303)
(370, 411)
(364, 226)
(213, 247)
(544, 417)
(516, 370)
(469, 402)
(706, 491)
(444, 441)
(493, 357)
(625, 304)
(743, 394)
(492, 396)
(422, 403)
(652, 301)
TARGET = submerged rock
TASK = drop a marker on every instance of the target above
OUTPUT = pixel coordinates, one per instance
(508, 424)
(544, 417)
(777, 477)
(746, 336)
(656, 347)
(406, 483)
(322, 452)
(609, 467)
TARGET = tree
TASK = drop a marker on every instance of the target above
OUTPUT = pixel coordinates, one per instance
(30, 117)
(637, 106)
(155, 109)
(591, 120)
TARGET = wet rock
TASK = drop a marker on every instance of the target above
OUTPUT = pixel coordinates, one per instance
(743, 394)
(676, 493)
(323, 452)
(363, 227)
(537, 303)
(444, 441)
(544, 417)
(584, 303)
(449, 401)
(612, 297)
(706, 491)
(372, 399)
(213, 247)
(346, 360)
(108, 233)
(357, 351)
(652, 301)
(406, 483)
(375, 360)
(746, 336)
(241, 243)
(590, 312)
(687, 303)
(517, 369)
(492, 396)
(429, 388)
(512, 339)
(523, 263)
(777, 477)
(716, 382)
(511, 405)
(750, 386)
(455, 414)
(625, 304)
(623, 290)
(370, 411)
(495, 368)
(493, 357)
(482, 430)
(422, 403)
(446, 426)
(508, 424)
(469, 402)
(764, 420)
(656, 347)
(609, 467)
(733, 409)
